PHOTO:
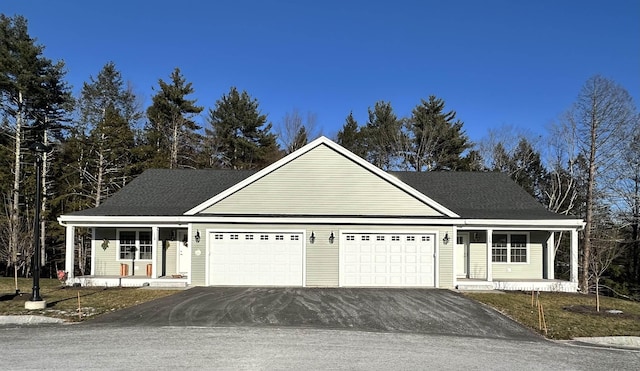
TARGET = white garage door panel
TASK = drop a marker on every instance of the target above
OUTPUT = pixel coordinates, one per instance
(387, 259)
(256, 259)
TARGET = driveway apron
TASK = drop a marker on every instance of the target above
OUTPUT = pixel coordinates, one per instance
(429, 311)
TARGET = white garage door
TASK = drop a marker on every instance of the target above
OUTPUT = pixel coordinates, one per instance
(256, 259)
(387, 259)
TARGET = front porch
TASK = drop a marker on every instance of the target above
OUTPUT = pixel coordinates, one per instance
(128, 281)
(514, 258)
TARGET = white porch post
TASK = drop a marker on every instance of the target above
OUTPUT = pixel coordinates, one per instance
(551, 255)
(574, 255)
(69, 253)
(93, 251)
(489, 245)
(154, 252)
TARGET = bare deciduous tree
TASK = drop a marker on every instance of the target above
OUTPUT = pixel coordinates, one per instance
(599, 118)
(294, 131)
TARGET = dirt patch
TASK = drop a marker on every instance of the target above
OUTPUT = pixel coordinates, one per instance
(604, 312)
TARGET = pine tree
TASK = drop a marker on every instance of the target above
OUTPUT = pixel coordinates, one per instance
(171, 137)
(239, 136)
(382, 136)
(350, 136)
(33, 97)
(437, 139)
(108, 110)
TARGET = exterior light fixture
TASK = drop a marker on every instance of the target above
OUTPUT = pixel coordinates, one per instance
(445, 240)
(197, 236)
(312, 238)
(331, 237)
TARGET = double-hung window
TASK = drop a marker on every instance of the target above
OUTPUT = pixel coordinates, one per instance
(136, 245)
(509, 248)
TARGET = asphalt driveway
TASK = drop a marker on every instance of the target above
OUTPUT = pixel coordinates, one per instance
(429, 311)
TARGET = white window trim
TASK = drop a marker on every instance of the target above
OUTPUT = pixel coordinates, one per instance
(137, 257)
(509, 233)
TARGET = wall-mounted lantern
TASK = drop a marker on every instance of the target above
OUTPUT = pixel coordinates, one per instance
(331, 237)
(445, 240)
(197, 236)
(105, 244)
(312, 238)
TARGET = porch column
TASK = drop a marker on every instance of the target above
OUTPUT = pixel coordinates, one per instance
(93, 251)
(69, 253)
(574, 255)
(154, 252)
(489, 245)
(551, 256)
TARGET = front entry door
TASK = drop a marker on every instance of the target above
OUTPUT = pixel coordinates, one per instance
(184, 253)
(462, 255)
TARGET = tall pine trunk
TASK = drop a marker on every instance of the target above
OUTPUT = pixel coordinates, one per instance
(14, 214)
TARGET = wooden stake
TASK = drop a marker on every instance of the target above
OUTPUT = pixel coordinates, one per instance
(79, 308)
(532, 292)
(539, 317)
(544, 322)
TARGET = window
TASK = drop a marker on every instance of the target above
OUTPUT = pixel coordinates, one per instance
(499, 248)
(279, 237)
(295, 237)
(127, 244)
(518, 246)
(136, 245)
(509, 248)
(379, 238)
(426, 238)
(411, 238)
(364, 238)
(248, 237)
(218, 237)
(234, 236)
(395, 238)
(264, 237)
(146, 246)
(351, 238)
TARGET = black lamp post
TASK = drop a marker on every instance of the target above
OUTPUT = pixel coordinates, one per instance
(39, 149)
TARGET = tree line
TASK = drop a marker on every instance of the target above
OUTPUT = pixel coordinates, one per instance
(101, 139)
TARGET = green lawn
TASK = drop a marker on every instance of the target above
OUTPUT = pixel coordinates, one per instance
(566, 315)
(62, 302)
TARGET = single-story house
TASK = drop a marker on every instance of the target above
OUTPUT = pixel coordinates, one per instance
(323, 217)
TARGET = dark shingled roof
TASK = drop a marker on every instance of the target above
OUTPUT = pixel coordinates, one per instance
(474, 195)
(478, 195)
(164, 192)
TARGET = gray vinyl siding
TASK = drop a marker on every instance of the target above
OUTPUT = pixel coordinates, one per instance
(199, 256)
(322, 259)
(478, 260)
(444, 259)
(316, 184)
(106, 263)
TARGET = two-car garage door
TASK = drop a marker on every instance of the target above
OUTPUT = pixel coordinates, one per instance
(365, 259)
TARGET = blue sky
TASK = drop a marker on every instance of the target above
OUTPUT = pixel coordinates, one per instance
(496, 62)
